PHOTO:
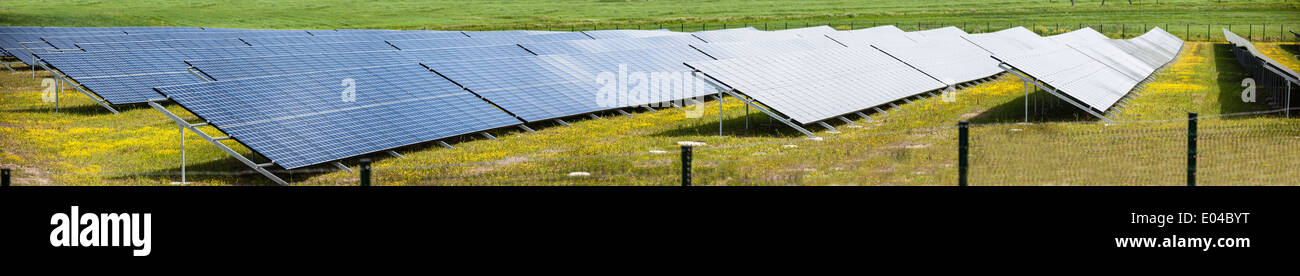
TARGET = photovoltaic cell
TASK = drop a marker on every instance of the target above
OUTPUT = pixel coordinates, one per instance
(610, 45)
(162, 44)
(134, 88)
(948, 59)
(300, 120)
(872, 36)
(81, 65)
(69, 42)
(817, 85)
(615, 34)
(743, 49)
(245, 67)
(535, 88)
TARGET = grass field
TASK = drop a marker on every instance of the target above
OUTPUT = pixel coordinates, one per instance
(461, 15)
(913, 145)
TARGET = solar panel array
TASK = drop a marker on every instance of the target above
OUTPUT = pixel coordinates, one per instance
(1273, 81)
(1096, 72)
(300, 120)
(817, 85)
(284, 93)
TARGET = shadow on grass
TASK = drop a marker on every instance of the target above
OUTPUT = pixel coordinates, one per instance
(1050, 109)
(759, 125)
(1229, 81)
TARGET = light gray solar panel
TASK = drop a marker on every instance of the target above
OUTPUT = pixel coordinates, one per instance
(1075, 74)
(948, 59)
(535, 88)
(872, 36)
(1079, 37)
(949, 31)
(818, 85)
(1114, 57)
(615, 34)
(1010, 41)
(609, 45)
(759, 48)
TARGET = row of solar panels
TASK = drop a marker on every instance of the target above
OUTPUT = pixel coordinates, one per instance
(1086, 66)
(284, 102)
(1272, 80)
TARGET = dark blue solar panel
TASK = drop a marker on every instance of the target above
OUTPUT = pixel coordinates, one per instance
(69, 42)
(451, 42)
(80, 65)
(299, 120)
(162, 44)
(133, 88)
(232, 68)
(533, 88)
(663, 67)
(84, 64)
(609, 45)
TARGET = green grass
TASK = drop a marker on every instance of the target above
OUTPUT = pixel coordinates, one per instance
(563, 15)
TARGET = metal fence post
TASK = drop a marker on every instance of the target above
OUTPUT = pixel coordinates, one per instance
(365, 172)
(4, 177)
(963, 151)
(1191, 149)
(686, 165)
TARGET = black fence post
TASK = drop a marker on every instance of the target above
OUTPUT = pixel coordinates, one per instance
(686, 165)
(365, 172)
(4, 177)
(963, 151)
(1191, 149)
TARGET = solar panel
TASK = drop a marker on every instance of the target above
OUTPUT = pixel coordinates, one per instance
(81, 65)
(750, 34)
(1115, 58)
(817, 85)
(162, 44)
(743, 49)
(1271, 75)
(948, 59)
(69, 42)
(136, 88)
(244, 67)
(667, 78)
(727, 35)
(535, 88)
(1010, 41)
(609, 45)
(615, 34)
(871, 36)
(506, 33)
(1075, 74)
(300, 120)
(1079, 37)
(949, 31)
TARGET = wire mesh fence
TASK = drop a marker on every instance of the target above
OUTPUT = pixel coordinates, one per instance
(1188, 31)
(1260, 148)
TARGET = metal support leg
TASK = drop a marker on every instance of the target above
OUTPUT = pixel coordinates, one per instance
(256, 167)
(341, 166)
(881, 111)
(489, 136)
(181, 129)
(828, 127)
(562, 122)
(444, 144)
(526, 128)
(847, 121)
(92, 97)
(395, 154)
(593, 116)
(620, 111)
(864, 116)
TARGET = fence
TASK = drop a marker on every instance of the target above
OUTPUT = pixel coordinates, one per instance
(1187, 31)
(1230, 149)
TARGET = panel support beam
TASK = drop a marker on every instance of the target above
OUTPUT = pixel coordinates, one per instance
(256, 167)
(787, 121)
(1027, 79)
